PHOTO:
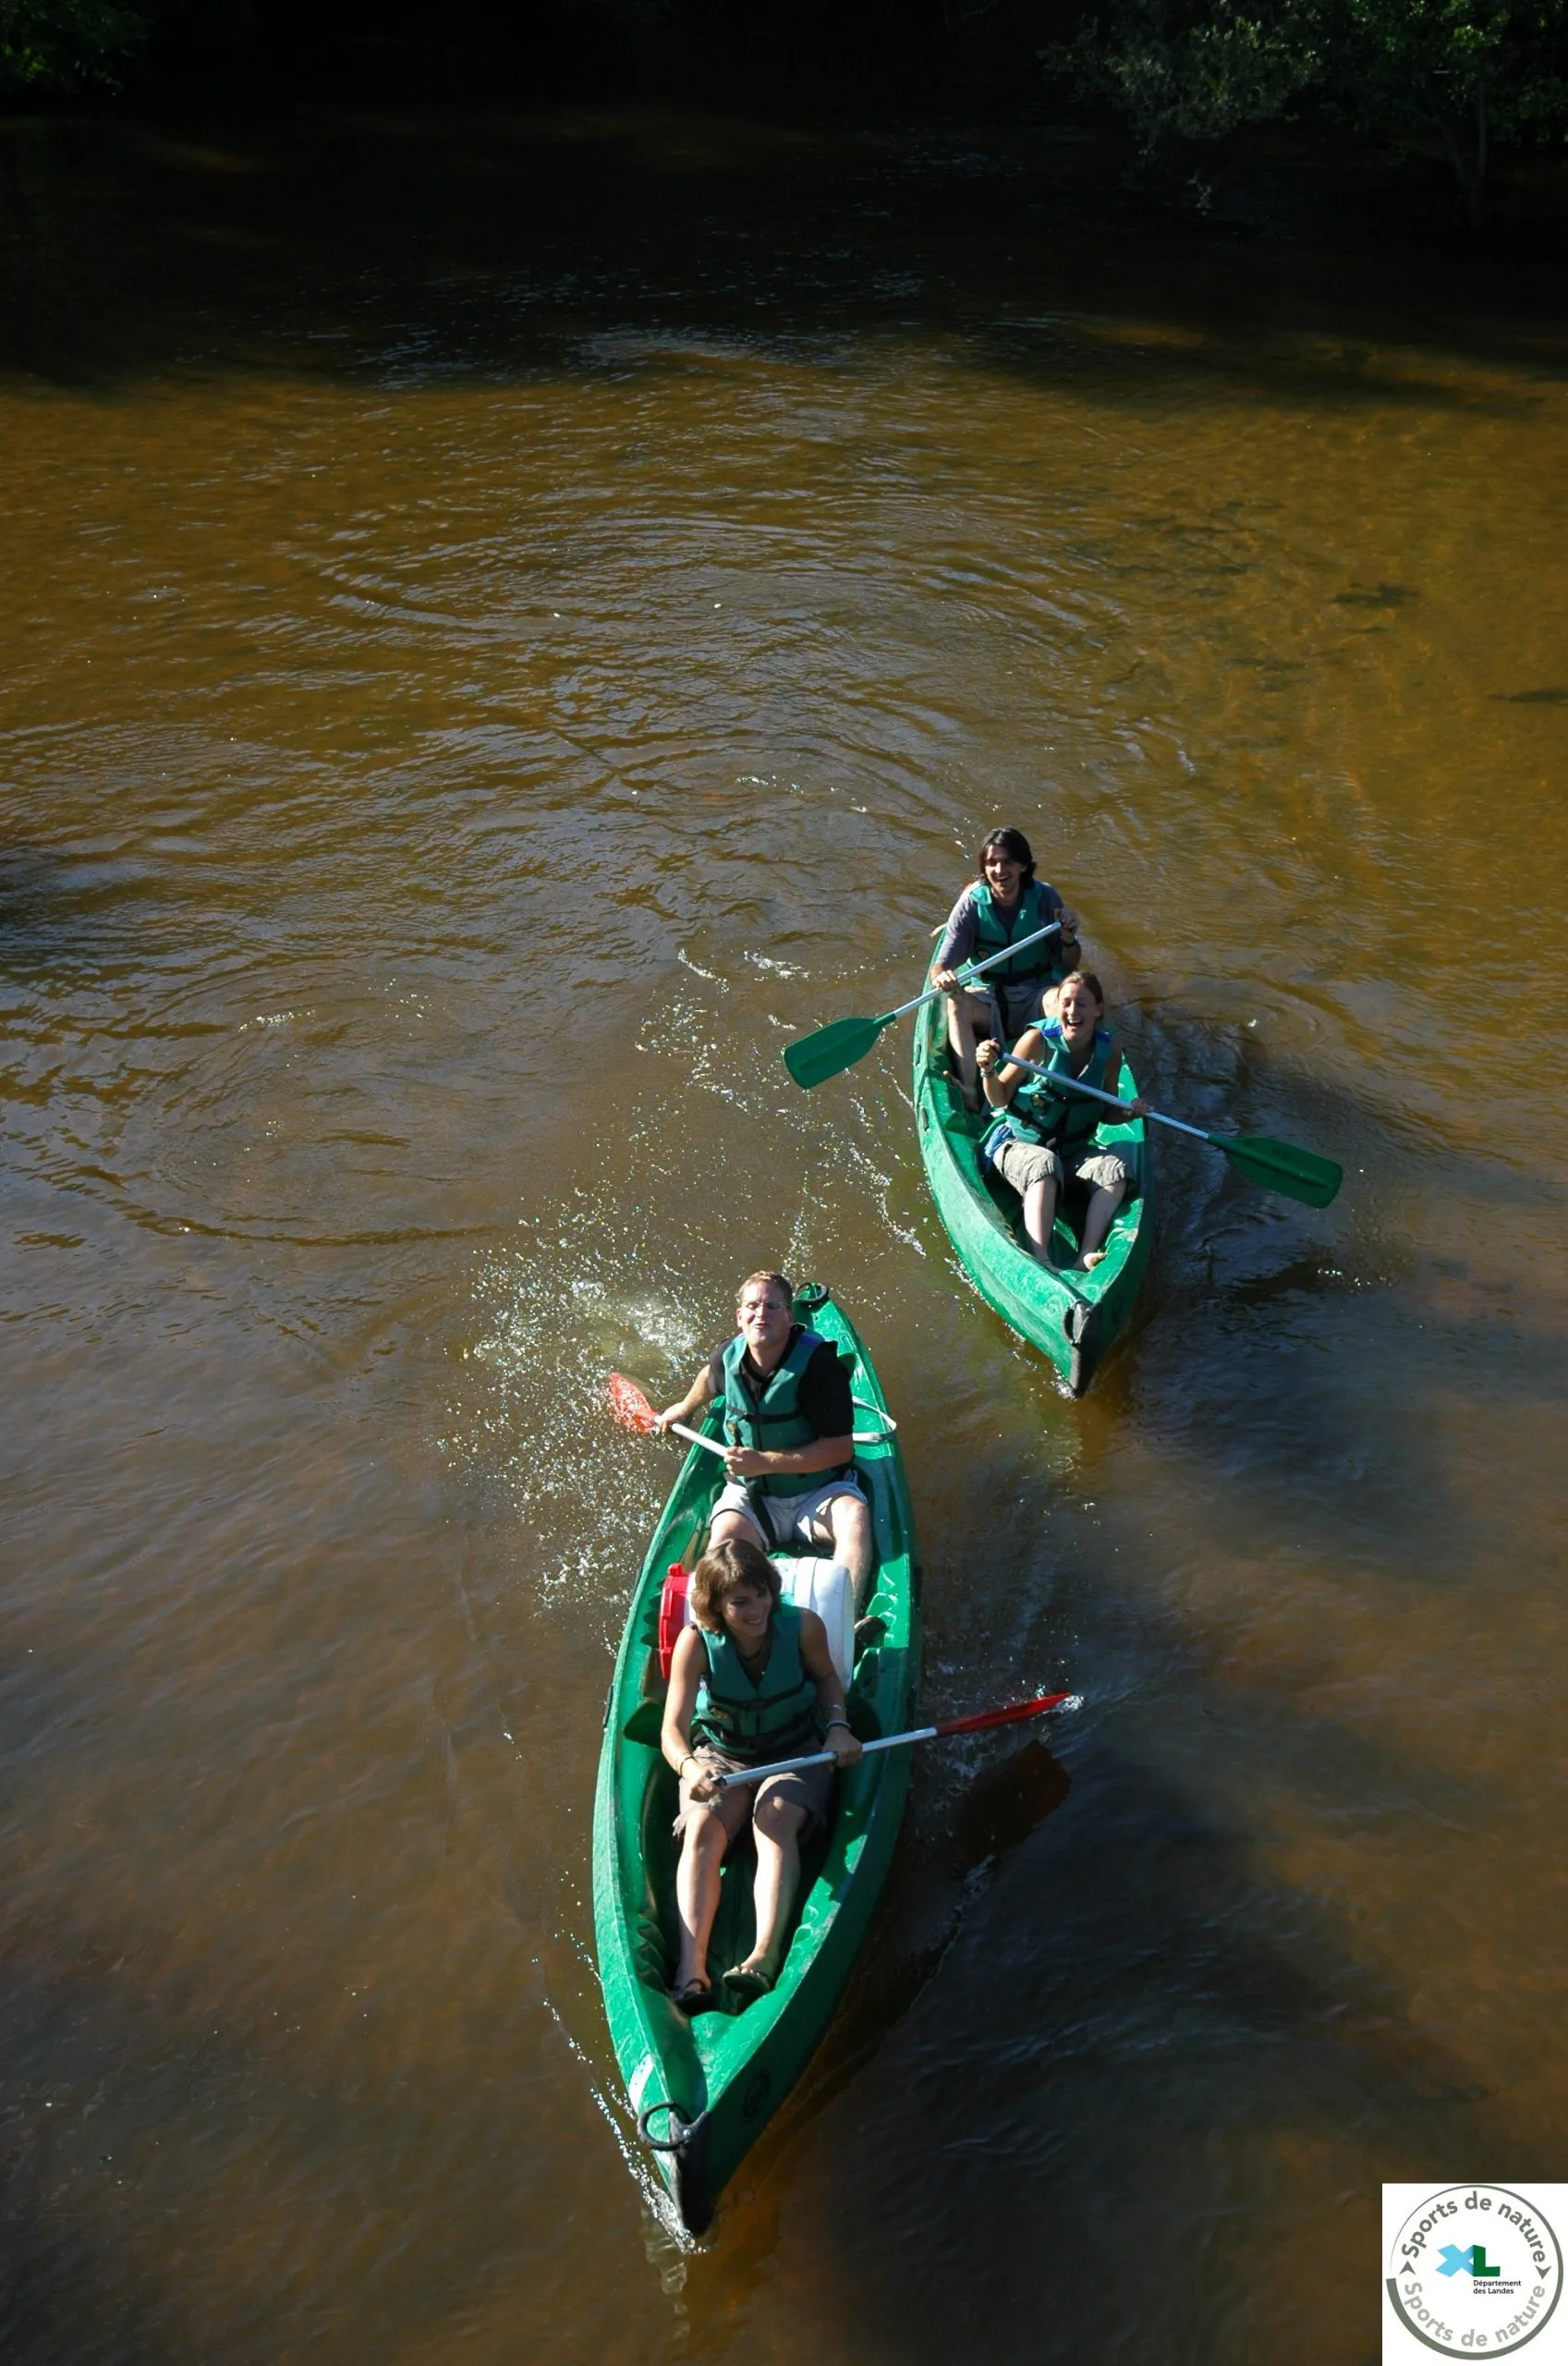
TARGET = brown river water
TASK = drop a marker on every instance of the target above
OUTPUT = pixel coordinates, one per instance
(502, 623)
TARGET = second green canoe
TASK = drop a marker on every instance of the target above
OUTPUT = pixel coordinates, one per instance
(1072, 1318)
(703, 2089)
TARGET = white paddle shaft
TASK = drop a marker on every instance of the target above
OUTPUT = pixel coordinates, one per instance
(1111, 1100)
(822, 1758)
(974, 970)
(717, 1445)
(714, 1445)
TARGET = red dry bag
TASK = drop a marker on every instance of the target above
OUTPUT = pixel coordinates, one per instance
(673, 1613)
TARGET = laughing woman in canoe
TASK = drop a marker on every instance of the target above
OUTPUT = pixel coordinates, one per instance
(1042, 1140)
(750, 1682)
(1005, 904)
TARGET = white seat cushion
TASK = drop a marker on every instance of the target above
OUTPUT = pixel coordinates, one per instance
(824, 1587)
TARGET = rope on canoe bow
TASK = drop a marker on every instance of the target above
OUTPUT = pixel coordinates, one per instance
(675, 2143)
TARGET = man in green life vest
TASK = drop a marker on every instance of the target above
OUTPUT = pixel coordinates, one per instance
(789, 1420)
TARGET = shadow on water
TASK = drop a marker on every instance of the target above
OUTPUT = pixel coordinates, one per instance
(1182, 2011)
(56, 2302)
(72, 2284)
(940, 1874)
(399, 249)
(65, 911)
(1127, 2049)
(1227, 1250)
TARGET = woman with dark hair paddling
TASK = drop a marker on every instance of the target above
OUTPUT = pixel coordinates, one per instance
(753, 1680)
(1005, 905)
(1042, 1142)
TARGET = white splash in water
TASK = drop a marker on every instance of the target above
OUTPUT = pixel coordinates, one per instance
(570, 1304)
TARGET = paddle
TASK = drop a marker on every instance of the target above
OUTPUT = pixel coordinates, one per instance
(988, 1717)
(1279, 1167)
(812, 1059)
(631, 1408)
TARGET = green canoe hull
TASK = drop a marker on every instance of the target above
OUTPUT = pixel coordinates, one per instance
(703, 2089)
(1071, 1319)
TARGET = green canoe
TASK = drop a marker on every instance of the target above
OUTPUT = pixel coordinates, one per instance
(1072, 1318)
(703, 2089)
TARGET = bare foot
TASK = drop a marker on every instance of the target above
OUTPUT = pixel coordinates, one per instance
(1087, 1264)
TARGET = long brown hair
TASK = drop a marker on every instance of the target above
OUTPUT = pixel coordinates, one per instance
(1014, 844)
(723, 1571)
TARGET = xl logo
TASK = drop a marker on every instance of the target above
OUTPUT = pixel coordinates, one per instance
(1454, 2260)
(1474, 2272)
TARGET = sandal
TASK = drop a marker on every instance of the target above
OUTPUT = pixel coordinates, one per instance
(869, 1633)
(748, 1986)
(696, 1997)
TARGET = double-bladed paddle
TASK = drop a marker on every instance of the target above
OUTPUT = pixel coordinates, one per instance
(1279, 1167)
(1012, 1714)
(631, 1408)
(812, 1059)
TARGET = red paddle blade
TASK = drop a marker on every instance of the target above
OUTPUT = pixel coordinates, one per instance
(629, 1405)
(1010, 1716)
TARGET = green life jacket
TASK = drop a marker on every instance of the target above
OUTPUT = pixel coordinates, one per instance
(1064, 1120)
(773, 1716)
(994, 928)
(773, 1422)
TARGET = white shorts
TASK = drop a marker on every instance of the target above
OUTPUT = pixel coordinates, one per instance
(787, 1519)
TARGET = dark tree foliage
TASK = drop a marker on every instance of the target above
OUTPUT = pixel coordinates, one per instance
(1473, 70)
(1185, 74)
(67, 44)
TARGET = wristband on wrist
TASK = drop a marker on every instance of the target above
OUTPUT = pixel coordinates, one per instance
(838, 1721)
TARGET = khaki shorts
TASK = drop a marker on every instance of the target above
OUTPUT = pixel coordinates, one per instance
(1026, 1164)
(808, 1788)
(790, 1519)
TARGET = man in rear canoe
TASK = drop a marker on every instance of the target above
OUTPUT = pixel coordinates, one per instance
(789, 1419)
(1042, 1141)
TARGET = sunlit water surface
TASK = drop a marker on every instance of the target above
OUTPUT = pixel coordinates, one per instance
(502, 624)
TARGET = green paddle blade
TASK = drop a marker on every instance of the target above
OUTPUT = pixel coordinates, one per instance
(1280, 1167)
(812, 1059)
